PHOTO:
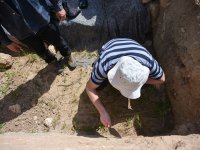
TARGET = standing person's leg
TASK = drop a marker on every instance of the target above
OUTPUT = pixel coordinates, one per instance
(37, 44)
(50, 34)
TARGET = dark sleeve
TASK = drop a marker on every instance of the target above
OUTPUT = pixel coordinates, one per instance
(156, 72)
(56, 5)
(98, 74)
(4, 40)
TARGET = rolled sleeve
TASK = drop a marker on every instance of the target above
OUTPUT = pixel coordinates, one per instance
(97, 75)
(156, 71)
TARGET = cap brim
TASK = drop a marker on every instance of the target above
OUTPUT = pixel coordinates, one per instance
(131, 94)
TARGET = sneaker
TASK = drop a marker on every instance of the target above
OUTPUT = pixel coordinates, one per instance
(71, 63)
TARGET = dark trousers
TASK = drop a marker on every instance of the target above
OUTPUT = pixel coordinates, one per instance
(50, 35)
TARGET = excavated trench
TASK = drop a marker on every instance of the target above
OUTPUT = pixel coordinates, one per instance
(37, 93)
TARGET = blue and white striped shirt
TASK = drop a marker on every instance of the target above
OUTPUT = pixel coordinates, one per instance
(113, 50)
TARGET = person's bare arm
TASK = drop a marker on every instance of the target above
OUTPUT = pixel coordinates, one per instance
(154, 81)
(91, 91)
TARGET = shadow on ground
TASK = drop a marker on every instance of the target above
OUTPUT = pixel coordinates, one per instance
(150, 115)
(27, 94)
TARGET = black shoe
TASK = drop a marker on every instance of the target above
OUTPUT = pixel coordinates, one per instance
(50, 58)
(60, 65)
(83, 4)
(71, 63)
(65, 61)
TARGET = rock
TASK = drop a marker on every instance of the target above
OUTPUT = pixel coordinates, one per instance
(197, 2)
(15, 108)
(164, 3)
(35, 118)
(182, 30)
(48, 122)
(5, 61)
(179, 55)
(16, 123)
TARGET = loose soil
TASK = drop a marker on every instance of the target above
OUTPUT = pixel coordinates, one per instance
(43, 93)
(53, 141)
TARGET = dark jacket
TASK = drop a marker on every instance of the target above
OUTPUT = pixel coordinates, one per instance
(21, 18)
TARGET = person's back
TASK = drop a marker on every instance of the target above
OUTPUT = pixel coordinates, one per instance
(113, 50)
(127, 66)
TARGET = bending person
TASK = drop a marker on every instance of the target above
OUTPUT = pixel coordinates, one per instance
(127, 66)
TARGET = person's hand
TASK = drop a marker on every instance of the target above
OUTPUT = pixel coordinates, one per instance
(61, 15)
(14, 47)
(105, 119)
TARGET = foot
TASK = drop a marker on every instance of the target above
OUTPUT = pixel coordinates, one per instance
(71, 63)
(60, 65)
(50, 58)
(65, 61)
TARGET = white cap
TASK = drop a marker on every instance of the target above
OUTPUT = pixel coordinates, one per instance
(128, 76)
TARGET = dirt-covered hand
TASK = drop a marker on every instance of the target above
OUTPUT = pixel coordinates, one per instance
(61, 15)
(105, 119)
(14, 47)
